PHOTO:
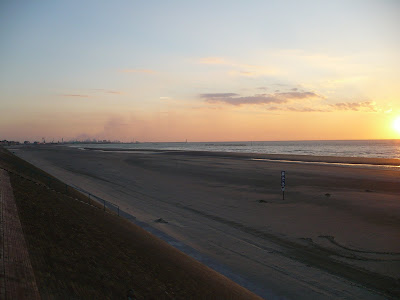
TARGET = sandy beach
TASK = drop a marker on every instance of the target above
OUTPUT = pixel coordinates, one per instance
(336, 234)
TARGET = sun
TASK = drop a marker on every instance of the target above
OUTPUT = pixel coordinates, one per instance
(396, 124)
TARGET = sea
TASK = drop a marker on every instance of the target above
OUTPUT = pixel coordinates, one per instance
(345, 148)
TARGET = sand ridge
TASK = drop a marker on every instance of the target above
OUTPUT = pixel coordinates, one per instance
(276, 157)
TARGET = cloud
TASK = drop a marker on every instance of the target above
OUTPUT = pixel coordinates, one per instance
(281, 84)
(109, 91)
(148, 71)
(292, 100)
(82, 137)
(113, 124)
(246, 73)
(113, 92)
(75, 95)
(213, 61)
(306, 109)
(388, 111)
(356, 106)
(218, 95)
(235, 99)
(298, 95)
(251, 71)
(114, 128)
(243, 73)
(238, 69)
(92, 93)
(297, 109)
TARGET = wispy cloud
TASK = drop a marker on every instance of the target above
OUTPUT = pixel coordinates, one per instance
(109, 91)
(388, 111)
(356, 106)
(298, 95)
(147, 71)
(243, 73)
(75, 95)
(306, 109)
(297, 109)
(92, 93)
(252, 71)
(293, 100)
(238, 69)
(114, 92)
(365, 106)
(235, 99)
(218, 95)
(213, 61)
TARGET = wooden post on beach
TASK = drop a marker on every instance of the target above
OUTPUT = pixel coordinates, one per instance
(283, 183)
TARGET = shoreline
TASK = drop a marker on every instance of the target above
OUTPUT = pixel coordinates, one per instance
(367, 161)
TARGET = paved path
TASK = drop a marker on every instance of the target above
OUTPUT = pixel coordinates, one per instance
(17, 280)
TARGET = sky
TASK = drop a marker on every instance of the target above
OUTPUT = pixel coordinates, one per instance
(199, 70)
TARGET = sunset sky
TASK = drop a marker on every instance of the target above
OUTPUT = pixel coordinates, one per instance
(199, 70)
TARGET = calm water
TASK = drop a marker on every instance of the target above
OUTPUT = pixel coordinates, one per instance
(364, 148)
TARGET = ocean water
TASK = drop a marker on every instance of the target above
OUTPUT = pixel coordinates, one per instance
(355, 148)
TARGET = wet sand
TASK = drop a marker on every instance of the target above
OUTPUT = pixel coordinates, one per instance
(334, 236)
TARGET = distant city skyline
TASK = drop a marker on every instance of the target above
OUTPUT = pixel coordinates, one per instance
(202, 71)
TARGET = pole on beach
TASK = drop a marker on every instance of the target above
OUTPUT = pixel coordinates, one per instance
(283, 183)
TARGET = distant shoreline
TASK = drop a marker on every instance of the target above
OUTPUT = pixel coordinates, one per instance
(273, 157)
(382, 149)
